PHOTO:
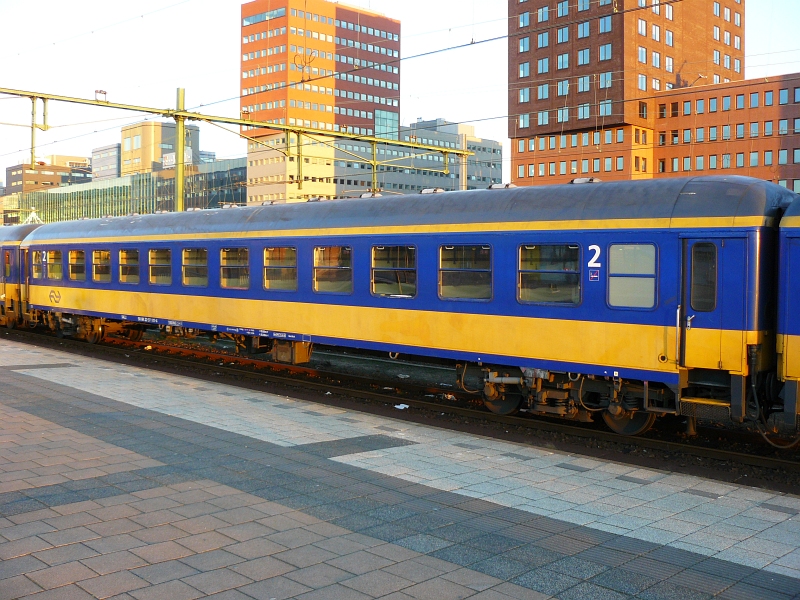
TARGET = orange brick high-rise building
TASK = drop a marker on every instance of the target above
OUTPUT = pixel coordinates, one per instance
(633, 89)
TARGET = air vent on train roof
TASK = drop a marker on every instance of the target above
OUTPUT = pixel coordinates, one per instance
(587, 180)
(501, 186)
(432, 191)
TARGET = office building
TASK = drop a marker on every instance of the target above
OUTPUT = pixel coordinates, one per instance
(145, 144)
(318, 65)
(207, 185)
(23, 178)
(106, 162)
(586, 79)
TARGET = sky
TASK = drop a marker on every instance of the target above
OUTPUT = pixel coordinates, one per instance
(140, 52)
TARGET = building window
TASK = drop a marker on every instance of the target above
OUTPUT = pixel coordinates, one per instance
(754, 159)
(740, 131)
(563, 87)
(543, 40)
(768, 158)
(563, 115)
(543, 91)
(563, 61)
(726, 161)
(642, 55)
(525, 69)
(699, 163)
(717, 56)
(465, 272)
(524, 44)
(656, 59)
(768, 98)
(563, 35)
(549, 274)
(525, 95)
(687, 163)
(643, 27)
(668, 39)
(768, 128)
(754, 130)
(583, 30)
(669, 64)
(543, 65)
(783, 127)
(543, 14)
(605, 24)
(740, 160)
(605, 52)
(563, 8)
(583, 83)
(712, 161)
(605, 80)
(632, 276)
(620, 163)
(333, 272)
(605, 108)
(655, 30)
(643, 82)
(583, 57)
(524, 120)
(394, 269)
(783, 96)
(783, 157)
(543, 117)
(524, 19)
(583, 111)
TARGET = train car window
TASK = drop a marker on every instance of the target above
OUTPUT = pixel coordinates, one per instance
(7, 264)
(280, 269)
(195, 267)
(101, 266)
(77, 265)
(235, 268)
(55, 266)
(333, 270)
(160, 266)
(704, 277)
(394, 271)
(465, 272)
(129, 266)
(36, 264)
(632, 275)
(550, 274)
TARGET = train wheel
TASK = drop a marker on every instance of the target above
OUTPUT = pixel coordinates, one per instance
(94, 336)
(11, 322)
(504, 405)
(629, 423)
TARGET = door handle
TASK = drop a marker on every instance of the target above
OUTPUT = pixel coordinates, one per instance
(689, 321)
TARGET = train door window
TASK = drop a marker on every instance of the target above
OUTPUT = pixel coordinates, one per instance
(7, 264)
(280, 269)
(394, 271)
(550, 274)
(333, 269)
(465, 272)
(160, 266)
(77, 265)
(632, 275)
(195, 267)
(129, 266)
(235, 268)
(704, 277)
(37, 267)
(101, 266)
(55, 266)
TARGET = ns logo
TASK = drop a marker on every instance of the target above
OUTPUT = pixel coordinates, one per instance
(55, 296)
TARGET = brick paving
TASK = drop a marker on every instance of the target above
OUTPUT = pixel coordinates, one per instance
(116, 482)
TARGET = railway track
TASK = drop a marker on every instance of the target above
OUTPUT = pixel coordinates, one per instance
(326, 385)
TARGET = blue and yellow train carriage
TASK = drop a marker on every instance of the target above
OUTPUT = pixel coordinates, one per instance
(12, 298)
(628, 299)
(789, 313)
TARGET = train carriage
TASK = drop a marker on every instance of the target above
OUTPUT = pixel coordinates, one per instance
(789, 313)
(627, 300)
(12, 294)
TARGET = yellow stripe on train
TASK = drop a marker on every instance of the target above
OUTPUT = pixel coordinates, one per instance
(617, 345)
(582, 225)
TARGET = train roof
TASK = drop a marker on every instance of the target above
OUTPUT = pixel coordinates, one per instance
(16, 233)
(652, 203)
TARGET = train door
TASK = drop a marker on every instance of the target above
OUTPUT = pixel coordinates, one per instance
(6, 275)
(714, 288)
(24, 281)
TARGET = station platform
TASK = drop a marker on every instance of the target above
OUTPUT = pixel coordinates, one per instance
(120, 482)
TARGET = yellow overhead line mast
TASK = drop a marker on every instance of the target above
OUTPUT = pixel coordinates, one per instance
(181, 115)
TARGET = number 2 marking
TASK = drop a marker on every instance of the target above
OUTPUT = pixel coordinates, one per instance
(596, 257)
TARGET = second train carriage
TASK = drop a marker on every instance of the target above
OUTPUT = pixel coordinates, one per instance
(789, 313)
(627, 299)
